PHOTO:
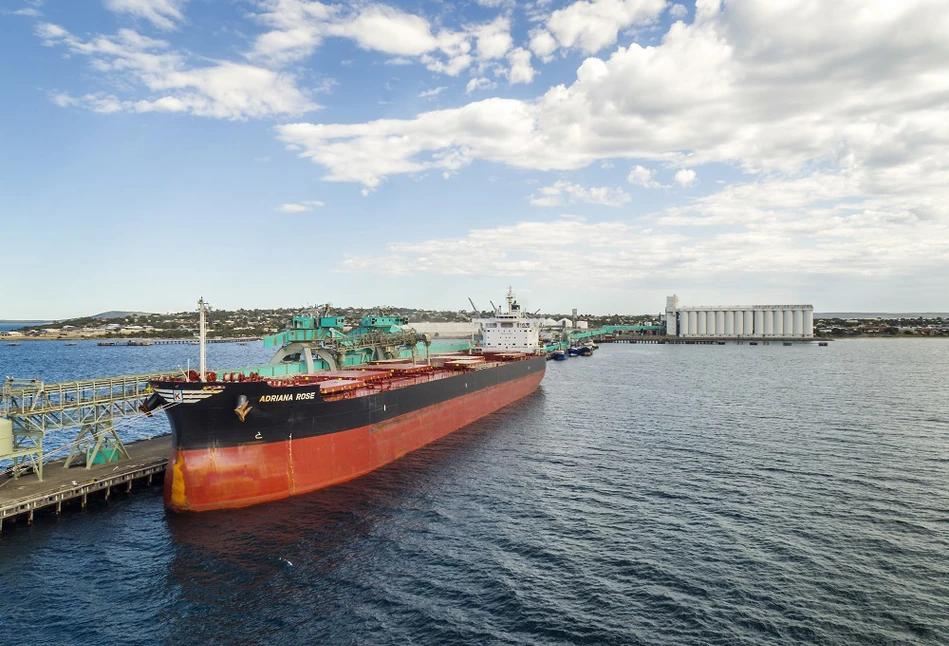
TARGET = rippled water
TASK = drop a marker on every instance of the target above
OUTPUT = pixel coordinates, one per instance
(647, 495)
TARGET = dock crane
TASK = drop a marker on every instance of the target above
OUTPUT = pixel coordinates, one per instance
(474, 307)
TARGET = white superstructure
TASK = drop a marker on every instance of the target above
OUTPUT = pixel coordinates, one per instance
(738, 321)
(512, 331)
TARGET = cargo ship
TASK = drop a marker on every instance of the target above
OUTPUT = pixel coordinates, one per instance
(333, 404)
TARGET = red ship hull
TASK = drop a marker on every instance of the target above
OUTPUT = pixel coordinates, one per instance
(221, 477)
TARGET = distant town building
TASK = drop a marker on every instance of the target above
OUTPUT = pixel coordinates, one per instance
(571, 324)
(736, 321)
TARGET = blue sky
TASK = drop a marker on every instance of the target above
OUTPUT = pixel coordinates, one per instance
(597, 154)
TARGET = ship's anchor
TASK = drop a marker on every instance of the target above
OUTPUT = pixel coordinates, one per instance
(243, 407)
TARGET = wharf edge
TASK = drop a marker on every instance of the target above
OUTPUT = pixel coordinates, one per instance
(21, 499)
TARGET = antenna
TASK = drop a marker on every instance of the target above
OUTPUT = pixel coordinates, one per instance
(202, 337)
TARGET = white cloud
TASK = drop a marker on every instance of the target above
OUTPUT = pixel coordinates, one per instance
(493, 38)
(716, 90)
(521, 70)
(164, 14)
(678, 11)
(612, 251)
(820, 224)
(29, 12)
(298, 28)
(431, 94)
(839, 101)
(280, 47)
(455, 65)
(97, 102)
(591, 25)
(684, 177)
(480, 83)
(386, 29)
(224, 90)
(642, 176)
(543, 44)
(62, 99)
(300, 207)
(563, 193)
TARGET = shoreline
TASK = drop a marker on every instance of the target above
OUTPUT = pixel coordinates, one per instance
(187, 340)
(163, 340)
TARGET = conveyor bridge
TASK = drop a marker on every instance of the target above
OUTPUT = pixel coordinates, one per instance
(29, 409)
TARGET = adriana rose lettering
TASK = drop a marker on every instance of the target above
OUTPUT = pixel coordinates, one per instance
(286, 397)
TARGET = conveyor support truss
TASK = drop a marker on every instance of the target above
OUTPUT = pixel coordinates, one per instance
(36, 408)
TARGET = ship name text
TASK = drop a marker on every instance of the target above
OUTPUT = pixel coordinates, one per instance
(286, 397)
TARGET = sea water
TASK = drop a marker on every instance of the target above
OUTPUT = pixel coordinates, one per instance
(649, 494)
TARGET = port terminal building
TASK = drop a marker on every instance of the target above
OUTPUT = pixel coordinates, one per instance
(739, 321)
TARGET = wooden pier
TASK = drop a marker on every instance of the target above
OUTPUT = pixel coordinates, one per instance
(21, 498)
(186, 341)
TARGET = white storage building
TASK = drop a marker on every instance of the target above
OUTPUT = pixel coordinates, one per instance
(739, 321)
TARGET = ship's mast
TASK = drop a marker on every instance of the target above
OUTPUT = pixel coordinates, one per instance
(202, 337)
(510, 299)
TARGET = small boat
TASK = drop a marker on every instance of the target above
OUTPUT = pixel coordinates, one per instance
(787, 343)
(70, 343)
(560, 355)
(14, 343)
(242, 343)
(822, 344)
(573, 351)
(586, 351)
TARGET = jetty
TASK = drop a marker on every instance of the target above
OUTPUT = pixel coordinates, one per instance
(97, 461)
(22, 498)
(185, 341)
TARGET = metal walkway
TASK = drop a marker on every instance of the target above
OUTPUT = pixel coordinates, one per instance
(36, 408)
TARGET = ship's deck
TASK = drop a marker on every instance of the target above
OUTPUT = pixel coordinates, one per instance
(375, 376)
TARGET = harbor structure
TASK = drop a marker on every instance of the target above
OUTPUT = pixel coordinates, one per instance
(739, 321)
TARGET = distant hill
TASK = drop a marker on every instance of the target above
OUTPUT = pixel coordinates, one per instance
(116, 315)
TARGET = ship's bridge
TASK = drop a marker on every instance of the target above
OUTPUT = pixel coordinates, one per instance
(510, 331)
